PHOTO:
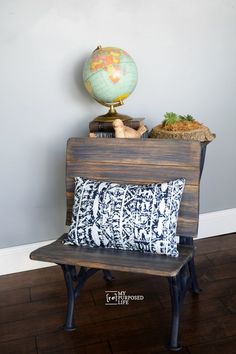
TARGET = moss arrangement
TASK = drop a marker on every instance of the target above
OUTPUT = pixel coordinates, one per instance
(175, 126)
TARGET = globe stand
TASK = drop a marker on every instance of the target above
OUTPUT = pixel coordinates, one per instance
(111, 115)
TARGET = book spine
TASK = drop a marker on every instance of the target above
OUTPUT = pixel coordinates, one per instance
(112, 135)
(105, 134)
(107, 126)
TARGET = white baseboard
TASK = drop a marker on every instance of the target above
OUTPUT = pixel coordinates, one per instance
(16, 259)
(217, 223)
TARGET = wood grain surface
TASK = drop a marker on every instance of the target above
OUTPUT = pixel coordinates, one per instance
(141, 162)
(113, 259)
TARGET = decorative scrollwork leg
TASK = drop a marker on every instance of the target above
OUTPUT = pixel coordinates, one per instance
(73, 290)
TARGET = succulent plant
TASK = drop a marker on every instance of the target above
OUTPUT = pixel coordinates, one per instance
(170, 118)
(188, 117)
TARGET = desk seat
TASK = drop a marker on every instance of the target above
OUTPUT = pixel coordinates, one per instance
(113, 259)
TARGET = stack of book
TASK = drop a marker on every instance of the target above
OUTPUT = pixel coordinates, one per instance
(106, 130)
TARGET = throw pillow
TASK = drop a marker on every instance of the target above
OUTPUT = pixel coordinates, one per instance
(126, 216)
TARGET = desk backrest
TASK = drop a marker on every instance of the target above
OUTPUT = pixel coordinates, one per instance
(140, 162)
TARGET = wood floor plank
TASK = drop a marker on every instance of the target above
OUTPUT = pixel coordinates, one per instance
(58, 290)
(225, 346)
(210, 290)
(92, 333)
(33, 308)
(102, 313)
(219, 288)
(142, 342)
(222, 257)
(97, 348)
(230, 302)
(30, 278)
(11, 297)
(223, 271)
(21, 346)
(214, 244)
(201, 310)
(208, 330)
(148, 336)
(65, 341)
(30, 326)
(202, 262)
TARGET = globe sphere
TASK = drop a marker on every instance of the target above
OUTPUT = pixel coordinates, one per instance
(110, 75)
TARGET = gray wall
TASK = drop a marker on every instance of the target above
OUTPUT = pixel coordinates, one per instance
(185, 51)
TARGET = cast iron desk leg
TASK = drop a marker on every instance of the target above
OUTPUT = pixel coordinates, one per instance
(175, 292)
(74, 283)
(69, 271)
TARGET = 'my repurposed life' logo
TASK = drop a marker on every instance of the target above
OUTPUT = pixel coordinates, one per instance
(116, 297)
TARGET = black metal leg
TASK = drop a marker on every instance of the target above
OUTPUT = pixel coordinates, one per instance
(194, 282)
(107, 275)
(175, 292)
(73, 290)
(69, 271)
(191, 266)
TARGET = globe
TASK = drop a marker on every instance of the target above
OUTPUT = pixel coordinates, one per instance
(110, 76)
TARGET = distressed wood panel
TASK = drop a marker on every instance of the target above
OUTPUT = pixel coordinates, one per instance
(133, 173)
(141, 162)
(149, 151)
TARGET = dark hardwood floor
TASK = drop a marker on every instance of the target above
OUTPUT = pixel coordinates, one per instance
(33, 305)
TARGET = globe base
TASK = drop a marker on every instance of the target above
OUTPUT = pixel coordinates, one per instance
(111, 118)
(111, 115)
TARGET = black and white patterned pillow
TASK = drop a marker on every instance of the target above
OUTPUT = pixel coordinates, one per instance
(126, 216)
